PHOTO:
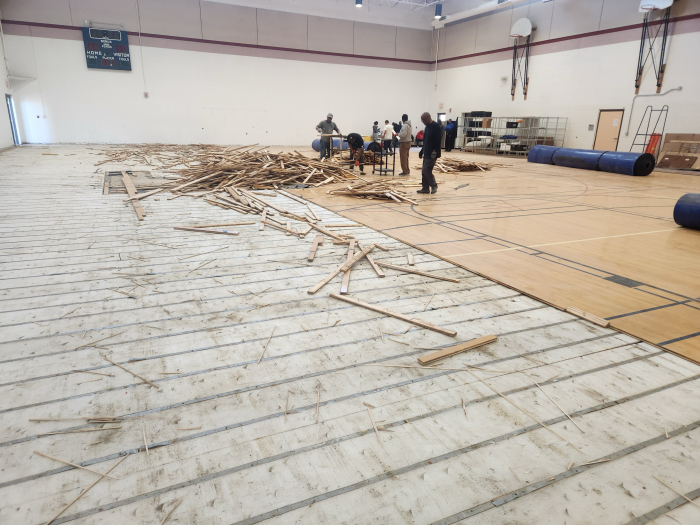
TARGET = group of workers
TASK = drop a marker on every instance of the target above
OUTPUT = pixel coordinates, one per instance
(432, 140)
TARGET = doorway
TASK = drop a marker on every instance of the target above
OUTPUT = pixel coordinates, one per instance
(607, 133)
(13, 119)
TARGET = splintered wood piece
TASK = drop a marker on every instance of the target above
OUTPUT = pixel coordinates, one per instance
(262, 220)
(74, 465)
(171, 511)
(381, 333)
(191, 428)
(674, 490)
(426, 304)
(341, 268)
(289, 228)
(145, 442)
(409, 256)
(374, 425)
(135, 375)
(558, 406)
(464, 408)
(79, 431)
(588, 317)
(267, 343)
(85, 491)
(314, 247)
(424, 274)
(313, 214)
(224, 224)
(456, 349)
(131, 191)
(346, 274)
(418, 322)
(318, 401)
(376, 268)
(204, 230)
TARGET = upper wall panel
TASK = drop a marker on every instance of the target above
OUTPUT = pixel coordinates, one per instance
(573, 17)
(330, 34)
(176, 18)
(105, 11)
(460, 39)
(374, 40)
(229, 23)
(618, 13)
(279, 29)
(492, 32)
(413, 44)
(540, 14)
(39, 11)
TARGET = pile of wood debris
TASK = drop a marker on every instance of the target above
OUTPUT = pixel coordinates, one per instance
(207, 167)
(452, 165)
(373, 190)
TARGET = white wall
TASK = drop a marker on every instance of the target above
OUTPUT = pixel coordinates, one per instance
(578, 83)
(5, 131)
(199, 97)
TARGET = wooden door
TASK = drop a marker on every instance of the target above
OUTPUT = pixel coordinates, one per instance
(607, 132)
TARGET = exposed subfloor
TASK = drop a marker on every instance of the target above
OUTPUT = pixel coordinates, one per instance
(601, 242)
(459, 445)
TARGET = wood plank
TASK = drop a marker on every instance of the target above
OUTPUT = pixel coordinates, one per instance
(417, 272)
(204, 230)
(341, 268)
(417, 322)
(409, 256)
(456, 349)
(314, 247)
(131, 190)
(148, 194)
(346, 274)
(588, 317)
(262, 220)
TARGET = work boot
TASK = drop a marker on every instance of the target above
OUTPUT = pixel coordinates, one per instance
(403, 174)
(433, 190)
(423, 190)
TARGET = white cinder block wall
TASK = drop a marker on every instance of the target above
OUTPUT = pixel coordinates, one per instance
(6, 139)
(207, 92)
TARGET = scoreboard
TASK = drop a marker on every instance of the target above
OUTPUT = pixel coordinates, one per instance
(106, 49)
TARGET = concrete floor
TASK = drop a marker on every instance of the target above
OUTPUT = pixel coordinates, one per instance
(454, 450)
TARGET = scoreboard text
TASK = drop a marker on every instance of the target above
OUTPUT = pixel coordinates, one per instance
(106, 49)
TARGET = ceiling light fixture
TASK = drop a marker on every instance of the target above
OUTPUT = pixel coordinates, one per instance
(438, 11)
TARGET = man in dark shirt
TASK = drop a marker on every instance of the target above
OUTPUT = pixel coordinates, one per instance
(430, 152)
(357, 150)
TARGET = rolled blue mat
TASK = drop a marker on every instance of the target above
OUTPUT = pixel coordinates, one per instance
(316, 144)
(624, 163)
(541, 154)
(687, 211)
(627, 163)
(577, 158)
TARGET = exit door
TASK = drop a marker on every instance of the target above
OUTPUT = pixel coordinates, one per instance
(13, 119)
(607, 133)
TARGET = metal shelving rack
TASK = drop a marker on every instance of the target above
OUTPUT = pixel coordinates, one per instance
(505, 139)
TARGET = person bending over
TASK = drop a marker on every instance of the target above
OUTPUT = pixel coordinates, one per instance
(357, 150)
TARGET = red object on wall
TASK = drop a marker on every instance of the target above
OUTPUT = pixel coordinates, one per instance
(653, 143)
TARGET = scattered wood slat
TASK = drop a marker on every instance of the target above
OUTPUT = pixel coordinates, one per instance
(418, 322)
(314, 247)
(588, 317)
(456, 349)
(342, 268)
(417, 272)
(204, 230)
(131, 190)
(85, 491)
(73, 464)
(132, 373)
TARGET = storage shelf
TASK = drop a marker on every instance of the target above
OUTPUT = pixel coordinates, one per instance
(500, 139)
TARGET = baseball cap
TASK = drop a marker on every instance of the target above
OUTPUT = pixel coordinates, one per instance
(330, 115)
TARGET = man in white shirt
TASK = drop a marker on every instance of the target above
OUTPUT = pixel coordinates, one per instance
(388, 136)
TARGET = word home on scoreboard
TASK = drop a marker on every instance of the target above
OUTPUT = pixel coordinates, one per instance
(106, 49)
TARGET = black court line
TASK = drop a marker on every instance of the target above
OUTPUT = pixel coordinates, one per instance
(683, 338)
(387, 475)
(516, 494)
(276, 415)
(665, 508)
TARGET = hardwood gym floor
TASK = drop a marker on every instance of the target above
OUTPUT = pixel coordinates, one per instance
(601, 242)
